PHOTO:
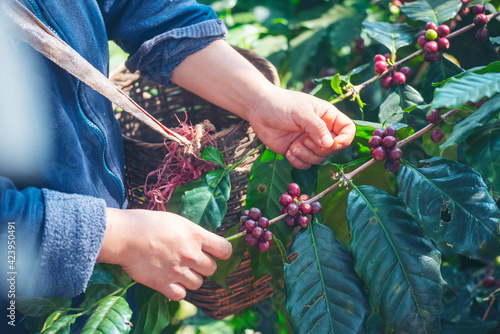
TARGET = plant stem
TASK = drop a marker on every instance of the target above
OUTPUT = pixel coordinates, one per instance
(488, 309)
(258, 148)
(358, 88)
(349, 176)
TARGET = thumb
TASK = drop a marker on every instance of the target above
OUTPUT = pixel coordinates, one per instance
(316, 128)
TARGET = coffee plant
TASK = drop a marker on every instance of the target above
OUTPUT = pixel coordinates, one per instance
(399, 233)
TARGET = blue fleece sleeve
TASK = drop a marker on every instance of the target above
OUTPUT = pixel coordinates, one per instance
(57, 238)
(160, 34)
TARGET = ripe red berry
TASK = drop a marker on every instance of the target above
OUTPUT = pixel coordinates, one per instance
(443, 43)
(379, 132)
(389, 141)
(422, 32)
(250, 225)
(379, 154)
(263, 246)
(375, 141)
(386, 81)
(387, 56)
(283, 210)
(427, 56)
(391, 131)
(421, 41)
(489, 282)
(466, 1)
(478, 9)
(431, 46)
(305, 208)
(267, 236)
(243, 219)
(392, 166)
(290, 221)
(406, 71)
(292, 209)
(482, 34)
(257, 232)
(395, 154)
(241, 228)
(437, 135)
(465, 11)
(378, 58)
(250, 239)
(316, 208)
(443, 30)
(398, 78)
(263, 222)
(245, 213)
(302, 221)
(380, 67)
(434, 117)
(255, 214)
(293, 189)
(285, 199)
(431, 25)
(303, 197)
(480, 20)
(435, 56)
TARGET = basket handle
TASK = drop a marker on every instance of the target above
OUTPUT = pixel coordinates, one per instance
(45, 41)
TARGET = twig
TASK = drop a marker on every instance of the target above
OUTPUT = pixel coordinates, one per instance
(488, 309)
(351, 175)
(358, 88)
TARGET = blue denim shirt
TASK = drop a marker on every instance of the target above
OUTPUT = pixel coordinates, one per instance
(59, 212)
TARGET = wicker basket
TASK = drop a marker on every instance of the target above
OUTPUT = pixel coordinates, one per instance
(144, 152)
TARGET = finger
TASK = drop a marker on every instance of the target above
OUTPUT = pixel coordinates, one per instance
(174, 291)
(304, 154)
(296, 162)
(205, 265)
(315, 127)
(217, 246)
(320, 151)
(191, 280)
(345, 129)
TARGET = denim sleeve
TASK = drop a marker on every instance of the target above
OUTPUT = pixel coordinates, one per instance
(57, 239)
(160, 34)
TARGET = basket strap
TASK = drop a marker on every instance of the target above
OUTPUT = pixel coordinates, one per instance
(42, 39)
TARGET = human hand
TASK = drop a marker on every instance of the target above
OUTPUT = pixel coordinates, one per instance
(304, 128)
(161, 250)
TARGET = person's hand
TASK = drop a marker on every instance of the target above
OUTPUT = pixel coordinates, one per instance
(161, 250)
(304, 128)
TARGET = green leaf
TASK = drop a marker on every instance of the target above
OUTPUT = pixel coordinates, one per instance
(307, 179)
(437, 11)
(468, 86)
(483, 152)
(335, 203)
(451, 203)
(324, 294)
(53, 317)
(303, 48)
(205, 205)
(439, 71)
(495, 40)
(111, 316)
(269, 177)
(214, 177)
(393, 36)
(39, 307)
(62, 325)
(212, 154)
(399, 98)
(335, 83)
(101, 275)
(462, 130)
(397, 263)
(153, 314)
(277, 259)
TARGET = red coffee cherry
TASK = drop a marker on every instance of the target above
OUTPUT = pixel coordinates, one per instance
(380, 67)
(443, 30)
(303, 197)
(257, 232)
(386, 81)
(267, 236)
(406, 71)
(398, 78)
(480, 20)
(443, 43)
(437, 135)
(379, 132)
(305, 208)
(482, 34)
(395, 154)
(293, 189)
(431, 25)
(431, 46)
(489, 282)
(379, 58)
(434, 117)
(250, 239)
(315, 208)
(421, 41)
(391, 131)
(263, 222)
(250, 225)
(375, 141)
(302, 221)
(285, 199)
(255, 214)
(379, 154)
(263, 246)
(478, 9)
